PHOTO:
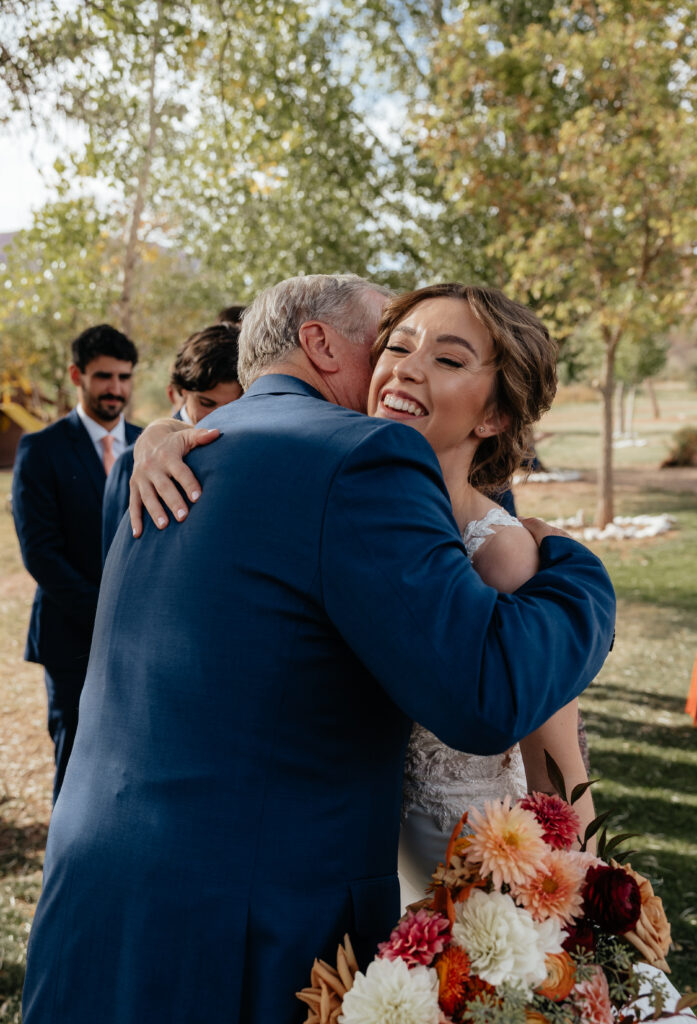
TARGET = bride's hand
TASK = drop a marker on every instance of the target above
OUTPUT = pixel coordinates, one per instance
(539, 530)
(158, 466)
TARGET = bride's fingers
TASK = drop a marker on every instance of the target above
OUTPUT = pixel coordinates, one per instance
(144, 495)
(539, 530)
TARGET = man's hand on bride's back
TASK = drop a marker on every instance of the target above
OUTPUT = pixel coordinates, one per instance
(158, 466)
(540, 529)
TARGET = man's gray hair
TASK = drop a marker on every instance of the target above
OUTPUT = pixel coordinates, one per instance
(271, 323)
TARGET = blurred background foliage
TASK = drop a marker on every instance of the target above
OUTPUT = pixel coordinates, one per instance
(544, 147)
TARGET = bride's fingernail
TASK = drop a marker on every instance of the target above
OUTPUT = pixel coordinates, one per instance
(180, 513)
(162, 521)
(195, 495)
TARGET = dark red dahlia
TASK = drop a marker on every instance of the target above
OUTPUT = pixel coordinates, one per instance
(560, 822)
(611, 898)
(580, 937)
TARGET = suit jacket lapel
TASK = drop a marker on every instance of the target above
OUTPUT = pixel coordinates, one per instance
(132, 433)
(85, 451)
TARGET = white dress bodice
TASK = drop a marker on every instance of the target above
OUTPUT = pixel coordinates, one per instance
(439, 782)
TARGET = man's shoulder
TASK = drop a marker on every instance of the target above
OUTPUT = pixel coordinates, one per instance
(48, 436)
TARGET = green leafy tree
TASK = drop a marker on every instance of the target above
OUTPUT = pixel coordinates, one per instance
(573, 141)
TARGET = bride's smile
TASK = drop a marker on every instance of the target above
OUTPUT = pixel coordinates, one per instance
(437, 373)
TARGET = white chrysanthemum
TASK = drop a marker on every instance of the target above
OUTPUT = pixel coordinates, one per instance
(390, 993)
(503, 942)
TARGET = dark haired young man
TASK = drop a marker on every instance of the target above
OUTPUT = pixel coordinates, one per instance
(57, 490)
(204, 375)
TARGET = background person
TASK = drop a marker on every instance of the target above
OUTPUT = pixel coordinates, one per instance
(203, 377)
(57, 490)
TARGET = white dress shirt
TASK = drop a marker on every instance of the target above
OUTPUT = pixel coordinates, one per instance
(97, 432)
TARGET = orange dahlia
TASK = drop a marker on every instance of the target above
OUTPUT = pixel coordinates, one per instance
(561, 977)
(453, 969)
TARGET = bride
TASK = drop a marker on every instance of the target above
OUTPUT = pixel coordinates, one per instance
(471, 370)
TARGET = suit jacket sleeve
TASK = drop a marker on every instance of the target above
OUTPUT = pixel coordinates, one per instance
(478, 668)
(116, 495)
(36, 510)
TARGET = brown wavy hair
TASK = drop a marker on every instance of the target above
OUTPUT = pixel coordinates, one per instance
(525, 357)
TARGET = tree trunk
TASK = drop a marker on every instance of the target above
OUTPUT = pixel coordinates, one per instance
(629, 421)
(654, 400)
(604, 512)
(619, 392)
(130, 258)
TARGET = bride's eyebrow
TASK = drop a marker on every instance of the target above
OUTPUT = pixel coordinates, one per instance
(449, 338)
(457, 340)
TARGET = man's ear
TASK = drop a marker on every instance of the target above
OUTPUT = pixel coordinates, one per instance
(493, 422)
(75, 375)
(316, 343)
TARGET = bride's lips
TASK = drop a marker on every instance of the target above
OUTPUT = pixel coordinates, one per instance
(401, 404)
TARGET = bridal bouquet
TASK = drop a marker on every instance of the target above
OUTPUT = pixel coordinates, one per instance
(518, 929)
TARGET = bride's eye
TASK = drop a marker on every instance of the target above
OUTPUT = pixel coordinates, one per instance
(450, 362)
(395, 347)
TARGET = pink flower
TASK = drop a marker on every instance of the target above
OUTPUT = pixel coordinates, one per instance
(593, 999)
(555, 890)
(506, 841)
(560, 822)
(417, 939)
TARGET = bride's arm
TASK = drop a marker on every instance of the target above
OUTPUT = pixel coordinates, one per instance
(559, 735)
(506, 561)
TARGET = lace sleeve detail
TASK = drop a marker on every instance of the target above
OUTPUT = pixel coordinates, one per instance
(478, 530)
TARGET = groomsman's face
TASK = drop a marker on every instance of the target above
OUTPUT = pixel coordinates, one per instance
(104, 388)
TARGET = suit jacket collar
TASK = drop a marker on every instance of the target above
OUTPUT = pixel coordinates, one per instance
(282, 384)
(85, 450)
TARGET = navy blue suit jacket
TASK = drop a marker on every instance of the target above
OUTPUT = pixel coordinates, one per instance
(57, 489)
(116, 495)
(232, 802)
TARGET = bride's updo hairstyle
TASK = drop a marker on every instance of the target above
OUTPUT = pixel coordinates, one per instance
(525, 358)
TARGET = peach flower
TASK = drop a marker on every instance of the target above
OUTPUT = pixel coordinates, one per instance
(561, 977)
(506, 841)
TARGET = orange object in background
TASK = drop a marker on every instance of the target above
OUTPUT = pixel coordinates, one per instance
(691, 706)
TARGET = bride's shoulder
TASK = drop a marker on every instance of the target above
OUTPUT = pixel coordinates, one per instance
(502, 551)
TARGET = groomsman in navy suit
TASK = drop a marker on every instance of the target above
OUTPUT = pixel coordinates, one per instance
(57, 490)
(232, 805)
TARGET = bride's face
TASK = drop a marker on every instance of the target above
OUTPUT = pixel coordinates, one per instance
(437, 374)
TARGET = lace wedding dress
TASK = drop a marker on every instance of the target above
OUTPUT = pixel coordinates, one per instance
(440, 783)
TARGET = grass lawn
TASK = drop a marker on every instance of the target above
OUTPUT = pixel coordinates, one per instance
(643, 747)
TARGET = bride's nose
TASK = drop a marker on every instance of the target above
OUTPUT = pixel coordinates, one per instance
(409, 367)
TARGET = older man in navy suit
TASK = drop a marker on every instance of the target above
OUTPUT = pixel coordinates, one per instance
(233, 801)
(57, 490)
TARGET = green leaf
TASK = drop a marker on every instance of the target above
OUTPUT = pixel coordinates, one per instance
(578, 791)
(594, 825)
(555, 775)
(617, 840)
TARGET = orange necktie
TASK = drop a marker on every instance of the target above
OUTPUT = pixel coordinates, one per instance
(108, 457)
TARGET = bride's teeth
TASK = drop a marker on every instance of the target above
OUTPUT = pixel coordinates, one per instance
(402, 405)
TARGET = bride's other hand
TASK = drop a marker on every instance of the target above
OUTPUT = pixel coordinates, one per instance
(539, 530)
(158, 467)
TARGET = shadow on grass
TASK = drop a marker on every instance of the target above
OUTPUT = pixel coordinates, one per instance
(21, 848)
(11, 982)
(650, 699)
